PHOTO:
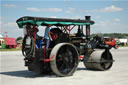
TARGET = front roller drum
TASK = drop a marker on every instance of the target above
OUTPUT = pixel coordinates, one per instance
(99, 60)
(65, 59)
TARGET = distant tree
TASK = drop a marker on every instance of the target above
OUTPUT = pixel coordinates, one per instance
(114, 35)
(19, 38)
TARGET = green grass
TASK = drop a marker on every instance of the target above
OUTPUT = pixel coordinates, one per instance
(123, 45)
(19, 49)
(12, 49)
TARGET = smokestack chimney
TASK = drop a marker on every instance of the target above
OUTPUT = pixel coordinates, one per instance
(88, 18)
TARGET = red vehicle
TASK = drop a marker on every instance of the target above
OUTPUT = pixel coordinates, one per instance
(111, 42)
(10, 42)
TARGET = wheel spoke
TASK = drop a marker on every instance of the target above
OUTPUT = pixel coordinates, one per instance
(107, 65)
(62, 66)
(67, 64)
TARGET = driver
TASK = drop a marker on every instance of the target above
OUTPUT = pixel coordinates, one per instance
(47, 36)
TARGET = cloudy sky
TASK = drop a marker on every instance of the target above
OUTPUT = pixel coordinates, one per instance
(109, 15)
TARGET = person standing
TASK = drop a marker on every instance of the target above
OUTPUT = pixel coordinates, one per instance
(47, 36)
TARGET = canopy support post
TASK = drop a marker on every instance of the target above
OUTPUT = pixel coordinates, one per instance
(69, 29)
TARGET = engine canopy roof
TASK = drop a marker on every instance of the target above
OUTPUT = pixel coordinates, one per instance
(51, 21)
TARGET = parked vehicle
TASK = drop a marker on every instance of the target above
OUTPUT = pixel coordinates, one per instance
(10, 42)
(123, 41)
(65, 51)
(111, 42)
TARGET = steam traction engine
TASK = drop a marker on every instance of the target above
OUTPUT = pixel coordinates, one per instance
(66, 50)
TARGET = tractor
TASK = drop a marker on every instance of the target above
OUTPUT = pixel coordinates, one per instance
(111, 42)
(66, 50)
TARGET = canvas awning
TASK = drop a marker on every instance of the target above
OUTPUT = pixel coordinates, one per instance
(52, 21)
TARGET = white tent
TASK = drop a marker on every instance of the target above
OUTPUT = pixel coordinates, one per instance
(1, 36)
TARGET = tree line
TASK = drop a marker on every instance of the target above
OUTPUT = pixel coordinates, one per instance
(113, 35)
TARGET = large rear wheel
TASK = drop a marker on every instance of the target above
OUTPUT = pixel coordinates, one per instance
(65, 60)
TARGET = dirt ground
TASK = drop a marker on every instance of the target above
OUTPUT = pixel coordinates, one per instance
(13, 72)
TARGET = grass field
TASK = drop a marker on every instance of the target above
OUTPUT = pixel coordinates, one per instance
(18, 49)
(13, 49)
(123, 45)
